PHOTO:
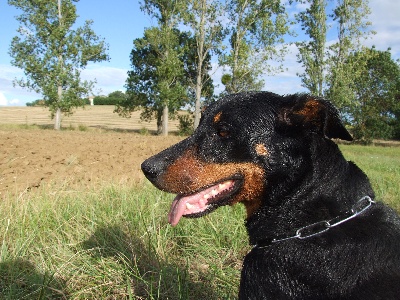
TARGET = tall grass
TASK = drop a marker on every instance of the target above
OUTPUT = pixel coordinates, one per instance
(382, 165)
(115, 243)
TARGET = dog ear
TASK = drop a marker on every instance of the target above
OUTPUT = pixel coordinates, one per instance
(316, 115)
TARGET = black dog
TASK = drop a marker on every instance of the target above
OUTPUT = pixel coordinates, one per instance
(311, 216)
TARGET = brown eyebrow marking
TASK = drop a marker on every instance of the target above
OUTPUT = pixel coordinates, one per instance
(217, 117)
(261, 150)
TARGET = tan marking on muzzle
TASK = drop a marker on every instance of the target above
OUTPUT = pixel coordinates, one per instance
(188, 174)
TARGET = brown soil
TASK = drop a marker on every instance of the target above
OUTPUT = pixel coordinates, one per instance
(32, 158)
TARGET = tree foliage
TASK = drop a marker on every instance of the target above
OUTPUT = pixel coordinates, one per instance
(165, 67)
(377, 90)
(170, 68)
(156, 80)
(312, 53)
(163, 40)
(113, 98)
(204, 19)
(351, 17)
(52, 53)
(362, 82)
(256, 36)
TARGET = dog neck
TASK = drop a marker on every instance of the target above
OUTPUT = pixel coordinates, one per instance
(320, 227)
(324, 191)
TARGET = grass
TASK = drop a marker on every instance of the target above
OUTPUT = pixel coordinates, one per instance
(97, 116)
(115, 243)
(382, 165)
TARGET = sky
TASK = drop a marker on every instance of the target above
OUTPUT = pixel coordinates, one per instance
(119, 22)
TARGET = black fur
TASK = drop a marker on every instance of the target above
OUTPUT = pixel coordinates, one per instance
(307, 180)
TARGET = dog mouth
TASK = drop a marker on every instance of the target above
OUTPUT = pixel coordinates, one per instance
(204, 201)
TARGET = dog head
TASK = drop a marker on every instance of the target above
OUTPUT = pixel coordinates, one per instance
(244, 148)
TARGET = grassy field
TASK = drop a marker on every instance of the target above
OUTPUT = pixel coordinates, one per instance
(98, 116)
(382, 165)
(115, 243)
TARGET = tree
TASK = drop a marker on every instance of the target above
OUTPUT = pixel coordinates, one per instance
(351, 18)
(256, 36)
(164, 42)
(203, 16)
(52, 53)
(190, 65)
(157, 82)
(244, 78)
(312, 52)
(376, 93)
(117, 97)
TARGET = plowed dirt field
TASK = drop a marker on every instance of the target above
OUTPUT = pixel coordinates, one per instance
(72, 159)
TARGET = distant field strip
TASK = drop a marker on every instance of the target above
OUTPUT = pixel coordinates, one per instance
(92, 116)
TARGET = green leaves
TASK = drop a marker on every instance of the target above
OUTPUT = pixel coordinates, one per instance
(363, 83)
(52, 54)
(157, 77)
(312, 53)
(256, 32)
(351, 17)
(376, 91)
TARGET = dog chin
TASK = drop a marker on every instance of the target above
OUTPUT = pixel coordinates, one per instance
(203, 202)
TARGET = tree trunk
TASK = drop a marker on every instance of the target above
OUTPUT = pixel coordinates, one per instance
(57, 121)
(197, 112)
(165, 121)
(201, 55)
(159, 122)
(238, 38)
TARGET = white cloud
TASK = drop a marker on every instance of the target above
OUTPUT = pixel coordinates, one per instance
(15, 102)
(386, 22)
(3, 100)
(7, 71)
(385, 13)
(9, 91)
(286, 82)
(109, 79)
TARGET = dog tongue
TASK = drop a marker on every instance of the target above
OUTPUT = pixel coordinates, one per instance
(183, 205)
(195, 203)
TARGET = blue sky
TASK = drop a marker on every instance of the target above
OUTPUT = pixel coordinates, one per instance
(121, 21)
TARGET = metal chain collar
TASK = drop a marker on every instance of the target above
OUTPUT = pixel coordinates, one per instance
(320, 227)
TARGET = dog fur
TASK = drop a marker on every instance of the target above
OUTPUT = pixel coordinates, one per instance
(275, 155)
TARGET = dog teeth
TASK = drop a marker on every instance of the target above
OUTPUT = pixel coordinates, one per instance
(216, 190)
(189, 206)
(202, 202)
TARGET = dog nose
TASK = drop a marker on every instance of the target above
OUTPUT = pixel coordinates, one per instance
(151, 169)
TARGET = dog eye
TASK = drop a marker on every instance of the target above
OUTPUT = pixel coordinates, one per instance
(223, 131)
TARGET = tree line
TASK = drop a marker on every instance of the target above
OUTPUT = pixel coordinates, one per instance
(172, 64)
(113, 98)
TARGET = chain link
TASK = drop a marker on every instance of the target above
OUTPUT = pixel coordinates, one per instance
(320, 227)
